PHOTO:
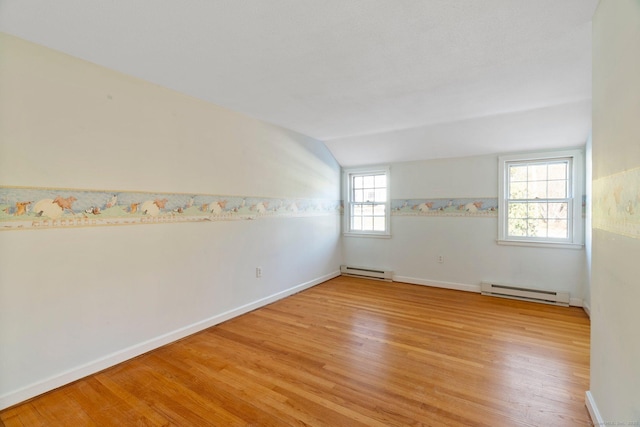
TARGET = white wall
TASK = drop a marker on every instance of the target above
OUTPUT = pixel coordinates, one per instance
(76, 300)
(468, 244)
(588, 238)
(615, 289)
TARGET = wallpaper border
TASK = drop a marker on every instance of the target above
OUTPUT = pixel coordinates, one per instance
(457, 207)
(27, 208)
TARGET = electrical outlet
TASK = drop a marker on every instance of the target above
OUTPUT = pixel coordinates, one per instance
(258, 272)
(440, 259)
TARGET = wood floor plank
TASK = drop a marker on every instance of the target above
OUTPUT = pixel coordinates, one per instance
(349, 352)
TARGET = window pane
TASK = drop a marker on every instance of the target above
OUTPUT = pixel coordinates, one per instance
(381, 181)
(367, 223)
(517, 173)
(537, 190)
(370, 195)
(557, 189)
(537, 210)
(537, 228)
(378, 210)
(356, 223)
(357, 210)
(381, 195)
(517, 210)
(558, 171)
(358, 195)
(558, 228)
(518, 190)
(379, 224)
(367, 210)
(517, 227)
(537, 172)
(368, 181)
(558, 210)
(357, 182)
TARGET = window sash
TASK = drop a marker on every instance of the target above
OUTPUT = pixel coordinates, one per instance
(368, 204)
(533, 221)
(368, 217)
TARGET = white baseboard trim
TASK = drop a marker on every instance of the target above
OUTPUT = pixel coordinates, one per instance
(596, 418)
(437, 284)
(587, 308)
(55, 381)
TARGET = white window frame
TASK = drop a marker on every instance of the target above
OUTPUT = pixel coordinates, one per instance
(347, 179)
(576, 190)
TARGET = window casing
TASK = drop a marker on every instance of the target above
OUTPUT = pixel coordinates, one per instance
(367, 202)
(541, 199)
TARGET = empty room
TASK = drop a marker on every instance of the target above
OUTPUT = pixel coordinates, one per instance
(324, 213)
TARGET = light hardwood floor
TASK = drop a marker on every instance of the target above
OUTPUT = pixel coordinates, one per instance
(348, 352)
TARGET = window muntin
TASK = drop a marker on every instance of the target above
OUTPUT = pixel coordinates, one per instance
(368, 205)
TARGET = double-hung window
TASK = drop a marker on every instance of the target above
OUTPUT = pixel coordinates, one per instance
(541, 199)
(367, 207)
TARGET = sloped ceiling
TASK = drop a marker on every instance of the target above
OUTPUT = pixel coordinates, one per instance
(377, 81)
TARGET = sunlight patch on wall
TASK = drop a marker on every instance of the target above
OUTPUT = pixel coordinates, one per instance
(616, 203)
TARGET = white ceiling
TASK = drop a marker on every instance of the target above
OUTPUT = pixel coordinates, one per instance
(376, 80)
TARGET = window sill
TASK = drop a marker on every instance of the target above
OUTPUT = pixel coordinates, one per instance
(540, 244)
(375, 236)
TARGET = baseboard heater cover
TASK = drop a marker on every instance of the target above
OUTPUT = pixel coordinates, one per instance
(370, 273)
(525, 294)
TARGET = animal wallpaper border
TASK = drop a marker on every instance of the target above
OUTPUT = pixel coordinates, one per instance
(616, 206)
(465, 207)
(38, 208)
(460, 207)
(24, 208)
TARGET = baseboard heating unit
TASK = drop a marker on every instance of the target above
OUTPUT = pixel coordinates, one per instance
(370, 273)
(525, 294)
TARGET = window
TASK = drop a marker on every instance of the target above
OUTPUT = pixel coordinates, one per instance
(541, 199)
(367, 209)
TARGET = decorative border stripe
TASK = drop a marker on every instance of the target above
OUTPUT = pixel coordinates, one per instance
(37, 208)
(478, 207)
(24, 208)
